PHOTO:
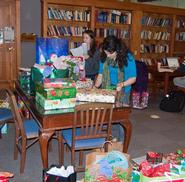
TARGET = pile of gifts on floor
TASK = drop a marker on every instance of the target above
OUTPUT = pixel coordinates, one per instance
(160, 167)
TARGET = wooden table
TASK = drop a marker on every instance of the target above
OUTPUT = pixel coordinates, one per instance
(165, 77)
(52, 121)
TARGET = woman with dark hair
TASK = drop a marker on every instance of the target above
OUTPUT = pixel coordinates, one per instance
(93, 55)
(117, 68)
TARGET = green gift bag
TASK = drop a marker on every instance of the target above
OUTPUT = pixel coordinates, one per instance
(60, 73)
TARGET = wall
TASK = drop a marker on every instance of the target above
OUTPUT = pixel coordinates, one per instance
(30, 23)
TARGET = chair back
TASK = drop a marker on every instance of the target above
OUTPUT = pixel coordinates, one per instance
(16, 113)
(94, 121)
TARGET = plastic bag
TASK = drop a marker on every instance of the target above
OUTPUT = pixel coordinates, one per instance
(48, 49)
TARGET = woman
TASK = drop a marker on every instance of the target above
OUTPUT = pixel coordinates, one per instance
(93, 55)
(117, 69)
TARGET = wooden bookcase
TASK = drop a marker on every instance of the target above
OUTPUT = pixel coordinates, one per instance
(179, 37)
(9, 47)
(66, 21)
(150, 31)
(113, 22)
(156, 31)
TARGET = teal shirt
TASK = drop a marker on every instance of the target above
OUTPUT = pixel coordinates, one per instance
(129, 72)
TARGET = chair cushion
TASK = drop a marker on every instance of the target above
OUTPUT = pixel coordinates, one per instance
(5, 114)
(31, 128)
(86, 143)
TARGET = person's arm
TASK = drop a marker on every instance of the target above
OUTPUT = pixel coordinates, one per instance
(128, 82)
(98, 81)
(130, 74)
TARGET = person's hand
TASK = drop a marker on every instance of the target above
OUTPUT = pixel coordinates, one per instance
(119, 86)
(6, 174)
(86, 56)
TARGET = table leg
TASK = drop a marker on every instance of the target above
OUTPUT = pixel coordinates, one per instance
(166, 82)
(43, 140)
(127, 134)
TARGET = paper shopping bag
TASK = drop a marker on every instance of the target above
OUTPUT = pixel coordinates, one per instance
(110, 166)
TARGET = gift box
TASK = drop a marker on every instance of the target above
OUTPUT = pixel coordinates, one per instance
(154, 157)
(55, 104)
(96, 95)
(58, 83)
(56, 93)
(84, 83)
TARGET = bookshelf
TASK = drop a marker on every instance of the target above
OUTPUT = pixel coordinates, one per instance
(113, 22)
(179, 38)
(155, 34)
(149, 31)
(65, 21)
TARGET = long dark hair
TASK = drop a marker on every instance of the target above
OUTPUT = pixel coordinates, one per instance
(111, 44)
(92, 49)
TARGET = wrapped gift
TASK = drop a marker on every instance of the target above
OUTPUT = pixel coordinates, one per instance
(58, 83)
(96, 95)
(56, 93)
(154, 157)
(84, 83)
(55, 104)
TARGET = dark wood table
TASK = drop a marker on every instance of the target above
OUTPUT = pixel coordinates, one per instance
(51, 121)
(166, 77)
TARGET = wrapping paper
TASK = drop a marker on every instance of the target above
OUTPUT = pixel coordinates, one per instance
(56, 93)
(58, 83)
(55, 104)
(84, 83)
(96, 95)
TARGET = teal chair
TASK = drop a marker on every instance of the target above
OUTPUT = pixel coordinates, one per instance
(91, 128)
(27, 132)
(6, 115)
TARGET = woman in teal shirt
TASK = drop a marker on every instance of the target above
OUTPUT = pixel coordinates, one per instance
(117, 68)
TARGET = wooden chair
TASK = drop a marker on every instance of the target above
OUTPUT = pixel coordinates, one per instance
(89, 130)
(6, 115)
(26, 129)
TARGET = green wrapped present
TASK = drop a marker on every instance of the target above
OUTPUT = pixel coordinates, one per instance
(56, 93)
(55, 104)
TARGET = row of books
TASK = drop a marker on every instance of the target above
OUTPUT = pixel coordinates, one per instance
(54, 30)
(76, 15)
(180, 36)
(74, 44)
(148, 61)
(180, 23)
(153, 21)
(120, 33)
(154, 48)
(149, 35)
(154, 61)
(113, 16)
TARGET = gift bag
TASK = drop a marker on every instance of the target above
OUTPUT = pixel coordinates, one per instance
(107, 166)
(48, 49)
(47, 177)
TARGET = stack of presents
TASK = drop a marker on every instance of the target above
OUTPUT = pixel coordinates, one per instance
(57, 79)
